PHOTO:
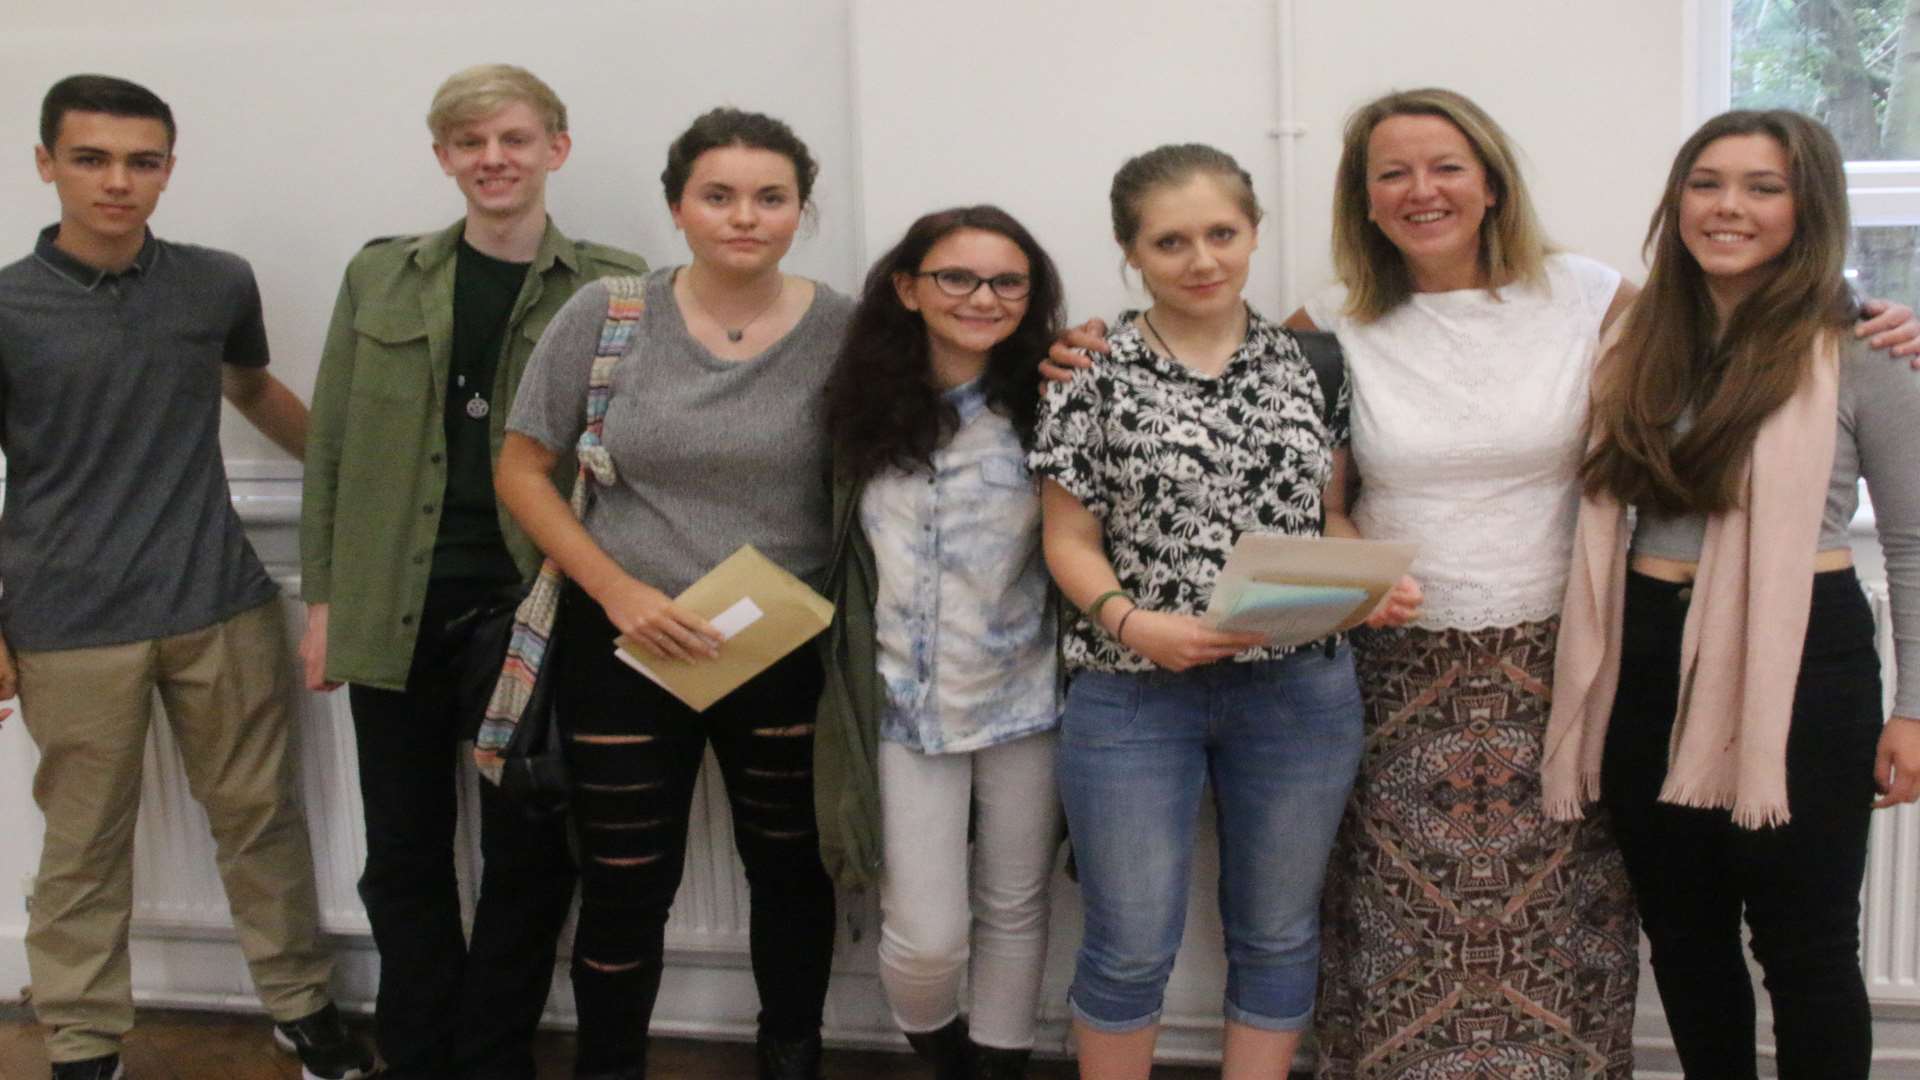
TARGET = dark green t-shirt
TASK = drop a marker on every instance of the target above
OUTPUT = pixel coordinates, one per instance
(469, 544)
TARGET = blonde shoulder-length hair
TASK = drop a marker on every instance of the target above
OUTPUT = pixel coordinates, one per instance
(1513, 246)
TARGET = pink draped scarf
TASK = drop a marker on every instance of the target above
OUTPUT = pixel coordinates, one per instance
(1740, 649)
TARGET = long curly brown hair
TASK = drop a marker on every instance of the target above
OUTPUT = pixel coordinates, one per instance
(883, 408)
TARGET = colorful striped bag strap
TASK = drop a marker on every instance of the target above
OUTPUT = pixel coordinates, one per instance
(533, 622)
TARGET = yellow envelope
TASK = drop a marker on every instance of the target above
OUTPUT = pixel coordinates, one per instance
(762, 611)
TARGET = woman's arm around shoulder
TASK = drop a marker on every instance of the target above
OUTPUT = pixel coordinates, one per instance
(1074, 350)
(1880, 401)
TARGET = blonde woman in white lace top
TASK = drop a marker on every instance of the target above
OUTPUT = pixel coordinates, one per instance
(1461, 925)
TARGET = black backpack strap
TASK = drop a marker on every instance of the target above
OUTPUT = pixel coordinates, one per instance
(1329, 366)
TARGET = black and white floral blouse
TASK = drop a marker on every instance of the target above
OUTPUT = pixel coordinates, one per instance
(1176, 466)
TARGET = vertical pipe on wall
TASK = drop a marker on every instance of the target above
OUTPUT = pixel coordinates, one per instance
(857, 166)
(1288, 131)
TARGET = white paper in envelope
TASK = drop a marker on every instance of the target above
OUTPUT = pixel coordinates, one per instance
(1297, 589)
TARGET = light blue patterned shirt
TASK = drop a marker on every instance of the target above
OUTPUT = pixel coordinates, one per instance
(963, 623)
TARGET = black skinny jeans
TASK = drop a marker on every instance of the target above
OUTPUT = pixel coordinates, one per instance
(635, 752)
(447, 1007)
(1694, 872)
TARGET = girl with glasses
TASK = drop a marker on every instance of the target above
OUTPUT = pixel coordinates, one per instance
(942, 697)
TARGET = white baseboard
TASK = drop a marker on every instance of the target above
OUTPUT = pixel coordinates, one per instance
(709, 994)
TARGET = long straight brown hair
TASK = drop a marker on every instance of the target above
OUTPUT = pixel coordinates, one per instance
(1673, 355)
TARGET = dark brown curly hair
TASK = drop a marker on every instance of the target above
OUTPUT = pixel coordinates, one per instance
(883, 407)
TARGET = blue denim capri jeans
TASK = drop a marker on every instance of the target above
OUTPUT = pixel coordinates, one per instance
(1280, 741)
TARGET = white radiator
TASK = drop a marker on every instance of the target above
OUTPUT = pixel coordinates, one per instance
(1890, 919)
(176, 895)
(183, 933)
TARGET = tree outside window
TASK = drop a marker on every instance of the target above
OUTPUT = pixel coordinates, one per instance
(1855, 65)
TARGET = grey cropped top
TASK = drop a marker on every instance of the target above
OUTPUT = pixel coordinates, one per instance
(1879, 441)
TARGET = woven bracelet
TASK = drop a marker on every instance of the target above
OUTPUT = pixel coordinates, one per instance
(1093, 609)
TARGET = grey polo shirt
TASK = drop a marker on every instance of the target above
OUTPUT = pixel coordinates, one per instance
(118, 525)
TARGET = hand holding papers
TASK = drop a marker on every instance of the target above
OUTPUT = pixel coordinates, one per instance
(762, 613)
(1297, 589)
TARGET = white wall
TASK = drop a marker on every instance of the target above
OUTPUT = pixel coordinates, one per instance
(1033, 106)
(303, 134)
(1597, 96)
(1057, 95)
(302, 137)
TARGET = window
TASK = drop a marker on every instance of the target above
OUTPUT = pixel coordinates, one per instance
(1855, 65)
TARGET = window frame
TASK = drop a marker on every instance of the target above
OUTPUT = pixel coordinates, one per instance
(1880, 193)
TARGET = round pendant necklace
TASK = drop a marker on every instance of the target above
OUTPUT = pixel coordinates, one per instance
(477, 406)
(734, 334)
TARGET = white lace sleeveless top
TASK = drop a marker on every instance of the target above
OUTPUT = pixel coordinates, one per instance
(1468, 417)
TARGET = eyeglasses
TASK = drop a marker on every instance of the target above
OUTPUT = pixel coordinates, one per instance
(959, 281)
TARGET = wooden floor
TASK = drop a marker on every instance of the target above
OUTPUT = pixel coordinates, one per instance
(216, 1046)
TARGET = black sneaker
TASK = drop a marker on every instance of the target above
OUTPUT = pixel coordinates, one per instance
(100, 1068)
(326, 1051)
(788, 1059)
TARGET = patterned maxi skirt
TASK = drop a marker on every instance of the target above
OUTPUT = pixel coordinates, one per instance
(1465, 935)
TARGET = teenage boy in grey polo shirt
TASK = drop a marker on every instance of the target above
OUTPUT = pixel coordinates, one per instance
(126, 572)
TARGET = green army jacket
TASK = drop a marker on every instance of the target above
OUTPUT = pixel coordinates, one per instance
(376, 445)
(846, 739)
(846, 780)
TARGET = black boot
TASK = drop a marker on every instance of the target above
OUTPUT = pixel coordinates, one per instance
(993, 1063)
(788, 1059)
(947, 1048)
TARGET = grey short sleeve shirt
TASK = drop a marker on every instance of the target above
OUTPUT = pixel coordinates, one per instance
(711, 454)
(118, 525)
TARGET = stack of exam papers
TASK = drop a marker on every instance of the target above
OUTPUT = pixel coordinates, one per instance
(1297, 589)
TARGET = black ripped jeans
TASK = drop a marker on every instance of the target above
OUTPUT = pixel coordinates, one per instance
(1695, 873)
(635, 752)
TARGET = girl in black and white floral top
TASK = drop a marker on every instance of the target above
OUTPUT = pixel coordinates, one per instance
(1176, 464)
(1207, 422)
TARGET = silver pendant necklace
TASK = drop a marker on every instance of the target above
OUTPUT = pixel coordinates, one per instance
(477, 407)
(734, 334)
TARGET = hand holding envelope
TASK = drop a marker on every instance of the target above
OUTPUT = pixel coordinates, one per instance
(762, 613)
(1297, 589)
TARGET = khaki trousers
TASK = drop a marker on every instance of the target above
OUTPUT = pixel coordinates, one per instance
(225, 691)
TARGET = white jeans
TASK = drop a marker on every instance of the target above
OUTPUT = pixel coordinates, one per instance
(930, 902)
